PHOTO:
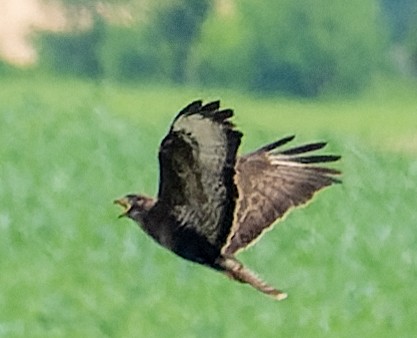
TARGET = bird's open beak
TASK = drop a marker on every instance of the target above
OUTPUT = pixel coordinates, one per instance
(124, 203)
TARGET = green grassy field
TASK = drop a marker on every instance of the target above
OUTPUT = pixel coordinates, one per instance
(70, 268)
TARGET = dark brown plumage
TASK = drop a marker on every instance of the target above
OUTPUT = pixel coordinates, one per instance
(211, 203)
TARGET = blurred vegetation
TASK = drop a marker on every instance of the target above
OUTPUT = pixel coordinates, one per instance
(75, 53)
(5, 68)
(304, 48)
(70, 268)
(176, 25)
(399, 15)
(411, 41)
(294, 46)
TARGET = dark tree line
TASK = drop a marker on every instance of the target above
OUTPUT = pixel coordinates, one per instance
(304, 48)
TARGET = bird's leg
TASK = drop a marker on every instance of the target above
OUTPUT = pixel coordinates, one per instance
(235, 270)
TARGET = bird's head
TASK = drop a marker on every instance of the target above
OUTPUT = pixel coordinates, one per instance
(135, 206)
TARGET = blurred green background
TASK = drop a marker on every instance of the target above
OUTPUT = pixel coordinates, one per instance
(82, 126)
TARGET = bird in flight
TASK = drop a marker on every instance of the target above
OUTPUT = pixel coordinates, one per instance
(213, 203)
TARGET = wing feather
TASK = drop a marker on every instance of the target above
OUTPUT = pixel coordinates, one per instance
(270, 183)
(197, 169)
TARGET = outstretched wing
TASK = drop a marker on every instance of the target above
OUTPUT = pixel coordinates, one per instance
(270, 183)
(197, 169)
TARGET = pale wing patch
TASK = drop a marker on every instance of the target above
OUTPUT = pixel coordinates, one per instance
(198, 157)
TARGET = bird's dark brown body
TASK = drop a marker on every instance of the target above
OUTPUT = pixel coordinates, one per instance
(212, 203)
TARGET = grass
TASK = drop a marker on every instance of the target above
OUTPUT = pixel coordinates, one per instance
(69, 267)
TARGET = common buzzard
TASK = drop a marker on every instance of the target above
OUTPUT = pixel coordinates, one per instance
(212, 203)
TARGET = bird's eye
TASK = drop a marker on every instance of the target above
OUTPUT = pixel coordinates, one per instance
(140, 201)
